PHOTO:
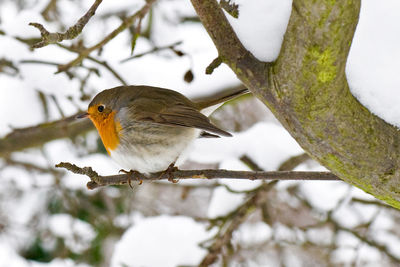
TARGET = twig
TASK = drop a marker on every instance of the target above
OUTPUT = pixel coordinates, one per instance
(126, 23)
(29, 166)
(155, 49)
(369, 242)
(213, 65)
(71, 33)
(98, 61)
(372, 202)
(233, 220)
(230, 222)
(98, 180)
(293, 162)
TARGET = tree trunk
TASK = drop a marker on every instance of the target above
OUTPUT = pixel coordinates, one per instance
(307, 90)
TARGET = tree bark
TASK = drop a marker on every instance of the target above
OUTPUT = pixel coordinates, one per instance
(307, 90)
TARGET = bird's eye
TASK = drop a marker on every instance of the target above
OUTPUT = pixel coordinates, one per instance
(100, 108)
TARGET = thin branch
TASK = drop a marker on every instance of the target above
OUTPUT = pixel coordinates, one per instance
(383, 248)
(125, 24)
(29, 166)
(155, 49)
(250, 163)
(38, 135)
(71, 33)
(293, 162)
(372, 202)
(99, 180)
(233, 220)
(98, 61)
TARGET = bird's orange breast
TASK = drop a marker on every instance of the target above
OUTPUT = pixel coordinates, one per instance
(109, 130)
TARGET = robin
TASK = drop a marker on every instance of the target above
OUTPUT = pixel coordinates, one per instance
(146, 128)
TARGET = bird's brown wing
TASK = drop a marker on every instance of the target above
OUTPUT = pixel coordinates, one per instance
(173, 110)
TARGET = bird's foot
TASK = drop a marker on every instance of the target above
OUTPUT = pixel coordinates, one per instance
(169, 173)
(132, 174)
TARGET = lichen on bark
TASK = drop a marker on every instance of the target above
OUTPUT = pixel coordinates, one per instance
(307, 90)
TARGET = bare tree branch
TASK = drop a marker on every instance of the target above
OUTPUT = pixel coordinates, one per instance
(71, 33)
(38, 135)
(98, 180)
(155, 49)
(125, 24)
(257, 199)
(233, 220)
(293, 162)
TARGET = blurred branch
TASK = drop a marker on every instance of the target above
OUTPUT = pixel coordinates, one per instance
(337, 225)
(293, 162)
(233, 220)
(29, 166)
(155, 49)
(38, 135)
(98, 61)
(258, 198)
(372, 202)
(250, 163)
(368, 241)
(8, 67)
(50, 7)
(125, 24)
(98, 180)
(71, 33)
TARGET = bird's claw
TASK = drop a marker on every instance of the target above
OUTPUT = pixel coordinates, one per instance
(132, 174)
(169, 173)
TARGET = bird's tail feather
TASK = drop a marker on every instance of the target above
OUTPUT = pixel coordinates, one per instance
(221, 97)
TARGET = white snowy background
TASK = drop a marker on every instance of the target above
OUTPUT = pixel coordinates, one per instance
(372, 71)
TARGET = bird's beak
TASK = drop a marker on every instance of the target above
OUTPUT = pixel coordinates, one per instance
(82, 116)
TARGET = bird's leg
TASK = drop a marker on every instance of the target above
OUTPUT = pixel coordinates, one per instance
(134, 174)
(169, 173)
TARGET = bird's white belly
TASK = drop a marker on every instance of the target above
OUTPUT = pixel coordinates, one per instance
(153, 158)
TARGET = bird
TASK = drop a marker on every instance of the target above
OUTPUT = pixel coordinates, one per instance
(146, 129)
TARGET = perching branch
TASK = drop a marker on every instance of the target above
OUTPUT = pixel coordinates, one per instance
(125, 24)
(99, 180)
(71, 33)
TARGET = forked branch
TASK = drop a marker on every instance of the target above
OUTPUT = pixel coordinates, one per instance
(71, 33)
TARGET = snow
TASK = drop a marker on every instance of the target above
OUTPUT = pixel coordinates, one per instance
(171, 240)
(76, 233)
(372, 72)
(278, 143)
(261, 26)
(374, 60)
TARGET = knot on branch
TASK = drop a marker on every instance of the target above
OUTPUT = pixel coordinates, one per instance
(71, 33)
(47, 37)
